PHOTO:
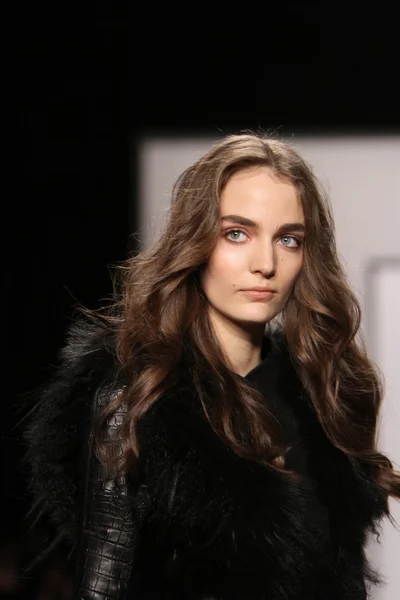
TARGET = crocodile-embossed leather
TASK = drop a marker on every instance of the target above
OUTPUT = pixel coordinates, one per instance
(108, 532)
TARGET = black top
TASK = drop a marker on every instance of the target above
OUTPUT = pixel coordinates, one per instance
(301, 431)
(290, 412)
(298, 422)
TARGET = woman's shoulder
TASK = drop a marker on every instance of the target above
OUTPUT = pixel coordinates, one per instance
(89, 347)
(60, 410)
(58, 415)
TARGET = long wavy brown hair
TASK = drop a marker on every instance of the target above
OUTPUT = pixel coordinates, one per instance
(159, 311)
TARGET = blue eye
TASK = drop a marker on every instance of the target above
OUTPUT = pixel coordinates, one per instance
(291, 238)
(235, 239)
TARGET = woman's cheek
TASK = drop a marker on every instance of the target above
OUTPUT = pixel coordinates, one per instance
(230, 258)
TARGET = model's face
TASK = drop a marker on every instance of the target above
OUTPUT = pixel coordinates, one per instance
(268, 253)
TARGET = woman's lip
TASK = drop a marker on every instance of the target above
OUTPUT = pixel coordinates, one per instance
(258, 294)
(258, 289)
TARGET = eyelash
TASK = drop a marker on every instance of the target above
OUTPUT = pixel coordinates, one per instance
(298, 240)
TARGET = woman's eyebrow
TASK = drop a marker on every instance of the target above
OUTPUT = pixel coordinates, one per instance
(239, 220)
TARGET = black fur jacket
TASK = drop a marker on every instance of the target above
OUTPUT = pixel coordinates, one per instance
(199, 523)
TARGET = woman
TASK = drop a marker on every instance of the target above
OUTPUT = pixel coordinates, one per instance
(212, 434)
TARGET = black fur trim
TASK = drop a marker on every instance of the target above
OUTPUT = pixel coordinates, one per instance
(57, 428)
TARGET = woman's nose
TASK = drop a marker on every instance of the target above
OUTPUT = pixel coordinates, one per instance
(264, 260)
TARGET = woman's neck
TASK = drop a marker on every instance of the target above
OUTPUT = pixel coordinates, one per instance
(241, 347)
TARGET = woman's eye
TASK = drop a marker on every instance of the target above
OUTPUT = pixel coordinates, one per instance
(290, 241)
(235, 237)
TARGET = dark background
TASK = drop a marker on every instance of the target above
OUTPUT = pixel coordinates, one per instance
(86, 85)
